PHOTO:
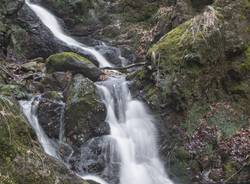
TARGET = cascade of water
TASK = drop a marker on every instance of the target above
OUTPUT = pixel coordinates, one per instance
(132, 127)
(51, 22)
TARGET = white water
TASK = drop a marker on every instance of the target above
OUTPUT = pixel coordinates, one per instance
(131, 126)
(133, 129)
(51, 22)
(29, 109)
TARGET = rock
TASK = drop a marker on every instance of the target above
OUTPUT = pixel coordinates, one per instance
(94, 157)
(68, 61)
(199, 4)
(112, 54)
(56, 81)
(85, 113)
(33, 66)
(50, 114)
(29, 37)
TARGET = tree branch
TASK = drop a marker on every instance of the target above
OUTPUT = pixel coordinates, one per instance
(125, 67)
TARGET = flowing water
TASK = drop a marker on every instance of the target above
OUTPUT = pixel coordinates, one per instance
(29, 109)
(132, 128)
(53, 25)
(134, 132)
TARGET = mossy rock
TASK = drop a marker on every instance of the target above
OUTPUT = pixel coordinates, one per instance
(69, 61)
(85, 113)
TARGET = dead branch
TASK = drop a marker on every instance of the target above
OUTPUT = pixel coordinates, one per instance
(124, 68)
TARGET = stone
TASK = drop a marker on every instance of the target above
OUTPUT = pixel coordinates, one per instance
(50, 114)
(68, 61)
(85, 113)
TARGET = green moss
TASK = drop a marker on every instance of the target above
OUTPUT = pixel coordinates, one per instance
(182, 154)
(5, 179)
(12, 90)
(170, 46)
(247, 3)
(239, 88)
(59, 57)
(229, 169)
(245, 66)
(194, 115)
(138, 11)
(228, 120)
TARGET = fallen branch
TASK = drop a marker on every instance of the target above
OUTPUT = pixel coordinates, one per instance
(124, 68)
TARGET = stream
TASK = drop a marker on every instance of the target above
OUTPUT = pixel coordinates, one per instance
(133, 134)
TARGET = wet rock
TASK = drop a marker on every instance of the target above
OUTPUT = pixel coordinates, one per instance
(97, 156)
(68, 61)
(50, 114)
(85, 113)
(112, 54)
(29, 37)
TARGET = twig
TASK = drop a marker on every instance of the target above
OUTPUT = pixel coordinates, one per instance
(125, 67)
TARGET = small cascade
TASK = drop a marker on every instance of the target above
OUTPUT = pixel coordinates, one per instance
(29, 109)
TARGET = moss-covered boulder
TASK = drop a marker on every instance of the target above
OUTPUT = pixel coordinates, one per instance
(22, 160)
(68, 61)
(85, 113)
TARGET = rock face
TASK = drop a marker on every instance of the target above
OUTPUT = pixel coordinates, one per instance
(68, 61)
(85, 113)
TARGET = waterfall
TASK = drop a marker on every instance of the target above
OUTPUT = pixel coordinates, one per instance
(52, 24)
(132, 128)
(134, 132)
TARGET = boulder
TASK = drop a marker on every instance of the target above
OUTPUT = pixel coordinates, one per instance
(29, 38)
(85, 113)
(69, 61)
(50, 112)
